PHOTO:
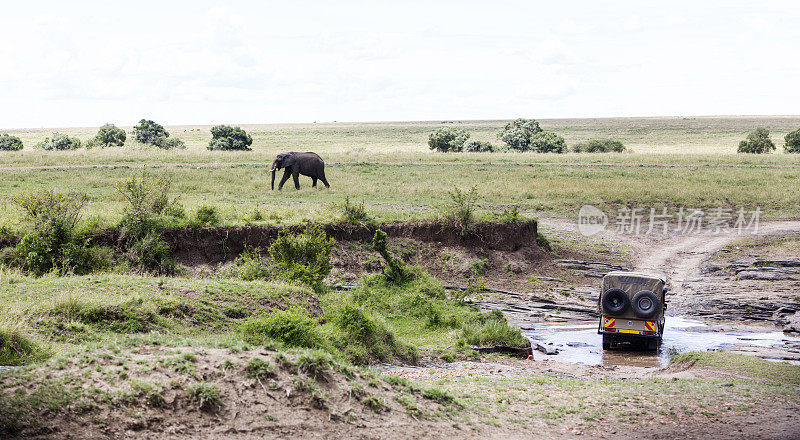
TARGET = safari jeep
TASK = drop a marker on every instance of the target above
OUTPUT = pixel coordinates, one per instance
(632, 306)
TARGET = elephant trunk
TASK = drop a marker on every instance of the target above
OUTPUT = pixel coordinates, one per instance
(273, 178)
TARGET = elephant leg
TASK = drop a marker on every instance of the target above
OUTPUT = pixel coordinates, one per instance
(313, 182)
(324, 180)
(296, 177)
(285, 177)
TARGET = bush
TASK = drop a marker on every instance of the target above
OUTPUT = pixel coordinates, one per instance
(148, 199)
(151, 254)
(792, 142)
(365, 340)
(476, 146)
(145, 217)
(517, 134)
(207, 215)
(109, 135)
(599, 146)
(355, 213)
(757, 142)
(446, 139)
(10, 143)
(225, 137)
(494, 331)
(150, 133)
(59, 142)
(207, 396)
(395, 268)
(304, 257)
(250, 265)
(172, 144)
(547, 142)
(460, 213)
(293, 328)
(53, 244)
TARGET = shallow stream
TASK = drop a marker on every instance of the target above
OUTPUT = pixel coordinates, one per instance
(578, 342)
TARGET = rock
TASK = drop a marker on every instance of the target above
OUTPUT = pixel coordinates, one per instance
(547, 349)
(793, 323)
(578, 344)
(787, 262)
(710, 268)
(768, 274)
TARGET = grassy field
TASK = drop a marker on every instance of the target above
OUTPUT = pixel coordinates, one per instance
(673, 162)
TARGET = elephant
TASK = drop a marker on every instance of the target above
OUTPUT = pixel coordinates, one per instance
(308, 164)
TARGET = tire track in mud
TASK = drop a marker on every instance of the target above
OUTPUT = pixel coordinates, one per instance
(396, 164)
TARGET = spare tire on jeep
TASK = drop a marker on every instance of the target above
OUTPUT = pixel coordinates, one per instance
(615, 301)
(646, 304)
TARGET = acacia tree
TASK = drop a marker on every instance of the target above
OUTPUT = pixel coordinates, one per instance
(10, 143)
(792, 142)
(517, 133)
(225, 137)
(150, 133)
(446, 139)
(109, 135)
(757, 142)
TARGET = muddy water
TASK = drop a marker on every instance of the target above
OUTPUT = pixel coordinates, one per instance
(578, 342)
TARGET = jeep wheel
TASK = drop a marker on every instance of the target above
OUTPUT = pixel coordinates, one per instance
(607, 340)
(645, 304)
(615, 301)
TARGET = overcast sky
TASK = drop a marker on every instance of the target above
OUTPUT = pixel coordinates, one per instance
(86, 63)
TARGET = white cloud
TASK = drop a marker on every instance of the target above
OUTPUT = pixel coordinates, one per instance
(196, 62)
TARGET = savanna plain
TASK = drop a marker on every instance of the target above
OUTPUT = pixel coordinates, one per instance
(188, 300)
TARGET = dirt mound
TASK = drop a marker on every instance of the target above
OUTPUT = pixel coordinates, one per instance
(210, 246)
(191, 392)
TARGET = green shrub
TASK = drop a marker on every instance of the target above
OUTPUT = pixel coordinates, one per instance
(150, 133)
(476, 146)
(395, 268)
(207, 215)
(314, 363)
(251, 265)
(225, 137)
(355, 213)
(10, 143)
(446, 139)
(59, 142)
(148, 199)
(207, 396)
(547, 142)
(460, 213)
(492, 331)
(16, 348)
(599, 146)
(366, 340)
(145, 217)
(172, 144)
(109, 135)
(303, 257)
(293, 328)
(509, 215)
(517, 134)
(53, 243)
(792, 142)
(151, 254)
(258, 369)
(757, 142)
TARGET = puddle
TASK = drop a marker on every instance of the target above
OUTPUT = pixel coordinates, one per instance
(578, 342)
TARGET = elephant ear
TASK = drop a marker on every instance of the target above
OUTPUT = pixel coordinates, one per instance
(288, 161)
